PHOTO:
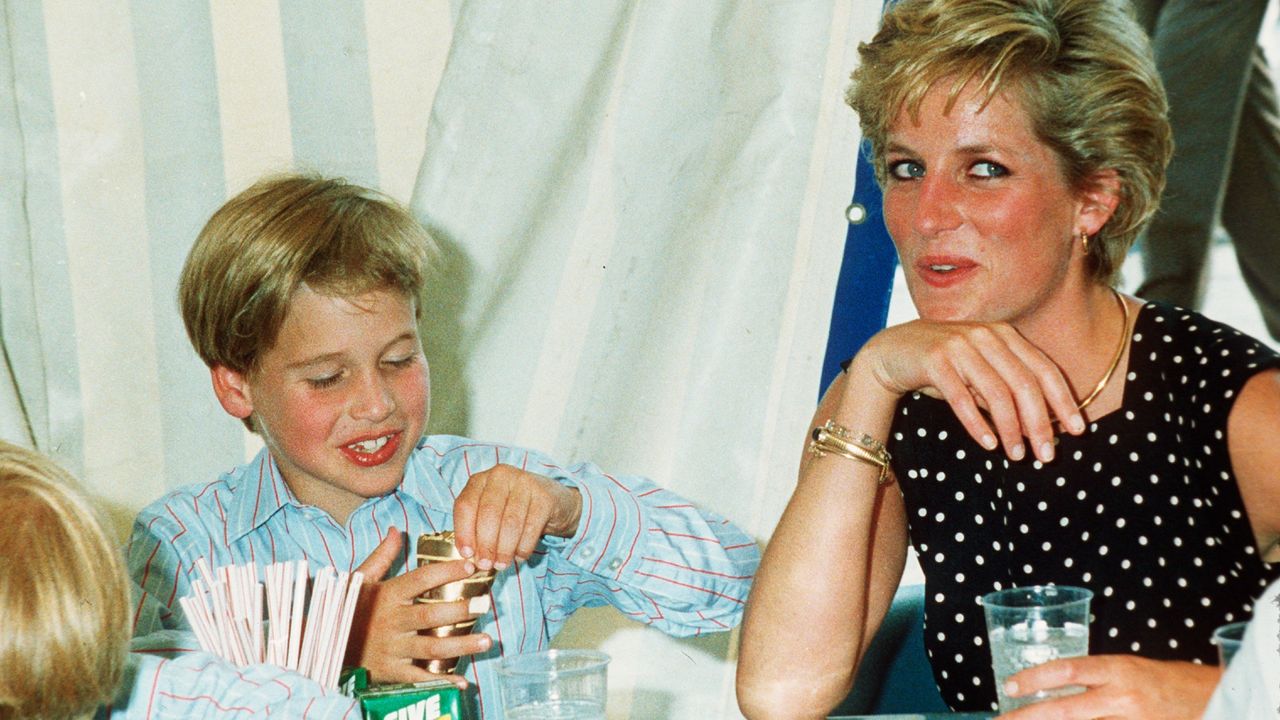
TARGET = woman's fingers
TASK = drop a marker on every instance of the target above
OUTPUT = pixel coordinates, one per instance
(994, 368)
(1057, 393)
(1032, 381)
(985, 380)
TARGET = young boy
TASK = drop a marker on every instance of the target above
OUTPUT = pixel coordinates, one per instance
(301, 296)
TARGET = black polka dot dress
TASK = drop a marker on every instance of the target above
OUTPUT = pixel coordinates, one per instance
(1143, 509)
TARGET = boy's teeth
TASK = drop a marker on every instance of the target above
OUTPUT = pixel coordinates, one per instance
(368, 446)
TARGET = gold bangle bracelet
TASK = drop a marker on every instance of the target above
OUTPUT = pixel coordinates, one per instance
(834, 439)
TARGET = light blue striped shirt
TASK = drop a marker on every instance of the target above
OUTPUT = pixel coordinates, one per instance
(167, 676)
(644, 550)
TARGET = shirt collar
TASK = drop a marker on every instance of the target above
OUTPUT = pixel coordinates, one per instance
(258, 492)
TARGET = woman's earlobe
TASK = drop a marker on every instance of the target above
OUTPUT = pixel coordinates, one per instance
(232, 389)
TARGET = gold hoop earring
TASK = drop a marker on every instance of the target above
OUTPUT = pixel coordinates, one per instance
(1084, 240)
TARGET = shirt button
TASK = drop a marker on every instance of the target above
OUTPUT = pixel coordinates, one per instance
(587, 551)
(615, 564)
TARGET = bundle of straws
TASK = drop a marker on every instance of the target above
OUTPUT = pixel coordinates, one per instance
(225, 611)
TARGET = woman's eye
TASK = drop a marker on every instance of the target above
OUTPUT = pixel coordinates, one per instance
(402, 362)
(988, 169)
(906, 170)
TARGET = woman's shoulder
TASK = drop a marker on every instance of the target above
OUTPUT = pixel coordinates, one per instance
(1182, 335)
(1192, 363)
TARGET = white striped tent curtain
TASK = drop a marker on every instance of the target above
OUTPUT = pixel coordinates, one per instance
(639, 205)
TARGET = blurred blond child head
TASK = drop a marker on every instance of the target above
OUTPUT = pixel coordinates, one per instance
(64, 595)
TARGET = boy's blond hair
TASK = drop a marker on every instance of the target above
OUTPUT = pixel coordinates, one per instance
(64, 595)
(338, 238)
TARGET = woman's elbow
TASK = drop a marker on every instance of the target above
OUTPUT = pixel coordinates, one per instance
(776, 693)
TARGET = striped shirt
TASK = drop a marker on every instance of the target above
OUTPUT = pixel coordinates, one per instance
(644, 550)
(167, 676)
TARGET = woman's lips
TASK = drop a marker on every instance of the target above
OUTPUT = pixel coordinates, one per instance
(372, 450)
(942, 272)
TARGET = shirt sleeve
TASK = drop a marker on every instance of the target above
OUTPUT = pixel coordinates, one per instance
(156, 567)
(166, 678)
(647, 551)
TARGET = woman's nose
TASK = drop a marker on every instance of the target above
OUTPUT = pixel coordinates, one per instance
(936, 209)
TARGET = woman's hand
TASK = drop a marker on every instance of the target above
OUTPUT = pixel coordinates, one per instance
(385, 637)
(1116, 686)
(504, 511)
(975, 367)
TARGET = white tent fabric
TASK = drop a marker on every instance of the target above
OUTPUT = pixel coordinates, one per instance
(639, 205)
(641, 223)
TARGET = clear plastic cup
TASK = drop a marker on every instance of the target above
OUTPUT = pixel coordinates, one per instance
(555, 685)
(1030, 626)
(1228, 638)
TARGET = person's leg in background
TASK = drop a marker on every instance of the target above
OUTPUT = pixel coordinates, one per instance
(1204, 50)
(1251, 208)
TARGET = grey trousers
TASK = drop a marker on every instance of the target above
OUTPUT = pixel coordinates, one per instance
(1226, 163)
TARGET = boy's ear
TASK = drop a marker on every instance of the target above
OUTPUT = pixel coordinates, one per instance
(232, 389)
(1099, 200)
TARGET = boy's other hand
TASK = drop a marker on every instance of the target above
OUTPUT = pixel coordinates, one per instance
(384, 635)
(504, 511)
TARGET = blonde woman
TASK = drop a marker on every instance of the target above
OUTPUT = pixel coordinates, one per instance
(1041, 427)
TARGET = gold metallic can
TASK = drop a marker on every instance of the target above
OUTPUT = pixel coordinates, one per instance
(440, 547)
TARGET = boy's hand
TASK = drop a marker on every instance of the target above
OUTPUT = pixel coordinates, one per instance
(503, 512)
(384, 634)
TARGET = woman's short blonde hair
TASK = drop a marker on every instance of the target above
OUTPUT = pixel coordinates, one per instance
(64, 595)
(257, 249)
(1082, 70)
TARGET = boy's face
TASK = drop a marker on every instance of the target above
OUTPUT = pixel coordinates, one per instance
(340, 399)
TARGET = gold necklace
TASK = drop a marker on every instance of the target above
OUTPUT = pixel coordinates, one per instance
(1115, 361)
